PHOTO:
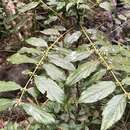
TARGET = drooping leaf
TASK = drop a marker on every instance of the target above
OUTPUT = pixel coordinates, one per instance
(50, 31)
(61, 62)
(113, 111)
(54, 72)
(38, 114)
(19, 59)
(6, 103)
(83, 71)
(28, 7)
(97, 92)
(54, 92)
(71, 38)
(8, 86)
(37, 42)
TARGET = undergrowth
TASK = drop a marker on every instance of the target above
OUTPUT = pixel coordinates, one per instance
(78, 59)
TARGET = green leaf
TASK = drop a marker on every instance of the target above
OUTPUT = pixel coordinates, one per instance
(111, 49)
(54, 92)
(106, 5)
(71, 38)
(113, 111)
(33, 92)
(50, 19)
(19, 59)
(38, 114)
(50, 31)
(114, 50)
(28, 7)
(97, 92)
(37, 42)
(60, 28)
(126, 81)
(126, 1)
(120, 63)
(84, 6)
(60, 5)
(83, 71)
(77, 56)
(6, 103)
(69, 5)
(12, 126)
(54, 72)
(62, 51)
(61, 62)
(32, 51)
(8, 86)
(96, 77)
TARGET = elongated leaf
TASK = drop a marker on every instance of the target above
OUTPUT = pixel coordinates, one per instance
(54, 92)
(77, 56)
(106, 5)
(38, 42)
(28, 6)
(111, 49)
(96, 77)
(38, 114)
(61, 62)
(69, 5)
(32, 51)
(54, 72)
(71, 38)
(6, 103)
(120, 63)
(33, 92)
(60, 28)
(60, 5)
(113, 111)
(8, 86)
(19, 59)
(82, 72)
(97, 92)
(126, 81)
(50, 31)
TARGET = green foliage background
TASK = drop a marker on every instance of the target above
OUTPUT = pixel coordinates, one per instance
(83, 77)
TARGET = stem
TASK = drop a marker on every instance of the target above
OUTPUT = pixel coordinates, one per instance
(45, 54)
(104, 61)
(45, 5)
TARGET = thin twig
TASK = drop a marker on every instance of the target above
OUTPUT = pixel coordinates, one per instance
(45, 5)
(45, 54)
(104, 61)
